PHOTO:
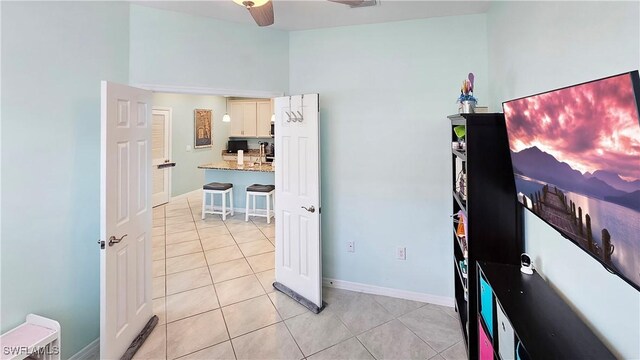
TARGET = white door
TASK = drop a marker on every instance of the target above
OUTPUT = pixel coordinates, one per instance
(297, 205)
(160, 154)
(125, 214)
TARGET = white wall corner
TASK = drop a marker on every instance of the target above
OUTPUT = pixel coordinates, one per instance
(89, 352)
(396, 293)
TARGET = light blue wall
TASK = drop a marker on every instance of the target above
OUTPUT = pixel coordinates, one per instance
(534, 47)
(53, 58)
(169, 48)
(186, 176)
(385, 91)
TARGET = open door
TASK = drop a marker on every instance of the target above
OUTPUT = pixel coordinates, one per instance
(161, 154)
(297, 205)
(125, 217)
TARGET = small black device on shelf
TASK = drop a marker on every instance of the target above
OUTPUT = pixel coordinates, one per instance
(234, 145)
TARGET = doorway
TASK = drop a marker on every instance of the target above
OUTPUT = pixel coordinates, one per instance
(161, 154)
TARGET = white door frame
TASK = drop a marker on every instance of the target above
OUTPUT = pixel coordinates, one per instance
(169, 142)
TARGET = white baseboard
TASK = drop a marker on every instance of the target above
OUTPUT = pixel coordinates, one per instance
(396, 293)
(185, 195)
(89, 352)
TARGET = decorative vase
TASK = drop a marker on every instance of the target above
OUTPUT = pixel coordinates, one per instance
(467, 107)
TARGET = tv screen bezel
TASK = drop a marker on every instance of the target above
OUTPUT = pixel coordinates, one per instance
(635, 83)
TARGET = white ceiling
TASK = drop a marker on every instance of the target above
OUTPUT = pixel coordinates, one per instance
(313, 14)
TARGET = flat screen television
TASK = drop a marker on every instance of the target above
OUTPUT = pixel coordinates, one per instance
(575, 153)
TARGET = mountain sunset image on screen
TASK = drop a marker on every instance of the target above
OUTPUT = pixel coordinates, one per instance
(576, 160)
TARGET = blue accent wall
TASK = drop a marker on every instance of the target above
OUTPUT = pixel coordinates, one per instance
(54, 55)
(539, 46)
(385, 91)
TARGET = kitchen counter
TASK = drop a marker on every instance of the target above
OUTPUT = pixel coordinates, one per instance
(240, 177)
(232, 165)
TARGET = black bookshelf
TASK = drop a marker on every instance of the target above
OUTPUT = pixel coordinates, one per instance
(494, 217)
(530, 318)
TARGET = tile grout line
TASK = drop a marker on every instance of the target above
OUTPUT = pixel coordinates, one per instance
(226, 327)
(386, 322)
(166, 325)
(367, 349)
(284, 320)
(213, 284)
(293, 337)
(285, 325)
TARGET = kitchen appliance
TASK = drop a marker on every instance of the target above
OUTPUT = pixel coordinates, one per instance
(271, 152)
(234, 145)
(273, 130)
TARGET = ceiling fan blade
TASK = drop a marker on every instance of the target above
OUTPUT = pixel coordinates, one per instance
(348, 2)
(263, 15)
(356, 3)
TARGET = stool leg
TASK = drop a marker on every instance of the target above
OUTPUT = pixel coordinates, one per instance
(231, 200)
(246, 213)
(224, 206)
(268, 201)
(254, 205)
(204, 201)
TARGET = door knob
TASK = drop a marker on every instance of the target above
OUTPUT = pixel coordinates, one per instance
(113, 240)
(310, 209)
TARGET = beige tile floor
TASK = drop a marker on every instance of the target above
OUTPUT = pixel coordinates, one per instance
(213, 295)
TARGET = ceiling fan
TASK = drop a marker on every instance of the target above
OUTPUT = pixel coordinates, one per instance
(262, 10)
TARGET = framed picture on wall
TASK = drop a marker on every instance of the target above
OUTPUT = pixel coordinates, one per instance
(202, 128)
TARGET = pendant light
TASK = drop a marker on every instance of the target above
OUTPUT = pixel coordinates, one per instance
(226, 117)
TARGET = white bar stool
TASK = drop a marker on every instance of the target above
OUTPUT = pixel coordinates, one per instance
(213, 189)
(260, 190)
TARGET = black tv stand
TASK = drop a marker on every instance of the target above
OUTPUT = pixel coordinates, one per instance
(529, 318)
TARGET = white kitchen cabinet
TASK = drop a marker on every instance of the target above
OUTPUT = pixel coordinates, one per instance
(264, 111)
(243, 118)
(250, 118)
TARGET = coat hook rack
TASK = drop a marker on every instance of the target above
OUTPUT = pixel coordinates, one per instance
(296, 116)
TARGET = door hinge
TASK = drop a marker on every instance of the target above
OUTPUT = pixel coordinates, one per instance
(101, 243)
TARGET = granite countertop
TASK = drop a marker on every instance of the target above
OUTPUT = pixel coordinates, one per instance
(250, 152)
(232, 165)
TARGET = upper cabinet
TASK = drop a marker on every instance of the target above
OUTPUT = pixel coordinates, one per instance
(264, 111)
(250, 118)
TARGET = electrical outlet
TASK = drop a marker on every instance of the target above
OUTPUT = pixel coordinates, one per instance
(350, 246)
(401, 253)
